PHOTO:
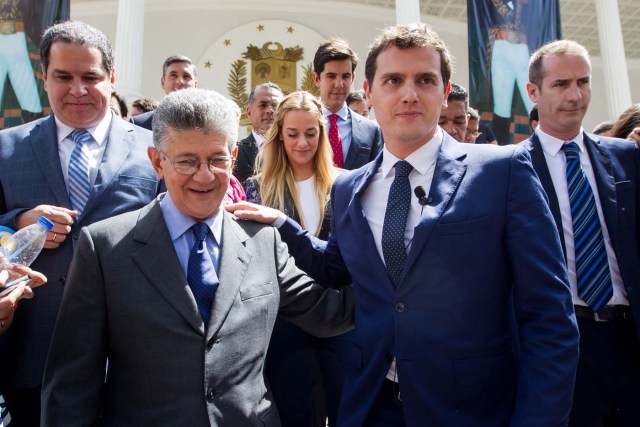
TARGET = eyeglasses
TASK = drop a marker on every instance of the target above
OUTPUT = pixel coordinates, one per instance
(191, 166)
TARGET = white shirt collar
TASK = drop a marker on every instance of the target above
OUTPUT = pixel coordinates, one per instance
(259, 138)
(98, 132)
(422, 159)
(552, 145)
(343, 112)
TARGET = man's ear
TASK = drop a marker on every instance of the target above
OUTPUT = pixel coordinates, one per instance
(162, 82)
(235, 152)
(316, 79)
(533, 91)
(154, 156)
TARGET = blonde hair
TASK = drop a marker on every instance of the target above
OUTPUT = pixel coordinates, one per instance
(275, 174)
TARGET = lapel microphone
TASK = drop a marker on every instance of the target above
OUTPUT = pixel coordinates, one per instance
(421, 195)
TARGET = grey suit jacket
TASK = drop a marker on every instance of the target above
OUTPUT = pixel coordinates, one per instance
(366, 142)
(128, 299)
(31, 175)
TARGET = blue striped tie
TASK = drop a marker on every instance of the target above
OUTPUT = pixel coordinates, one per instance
(592, 266)
(395, 222)
(79, 185)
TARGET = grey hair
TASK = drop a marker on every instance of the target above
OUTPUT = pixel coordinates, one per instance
(195, 109)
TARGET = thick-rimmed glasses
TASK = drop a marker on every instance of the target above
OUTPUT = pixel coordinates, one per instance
(189, 166)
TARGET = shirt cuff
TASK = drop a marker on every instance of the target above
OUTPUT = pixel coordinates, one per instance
(282, 218)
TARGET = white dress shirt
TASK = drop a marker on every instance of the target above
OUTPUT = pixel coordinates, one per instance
(93, 149)
(556, 162)
(259, 139)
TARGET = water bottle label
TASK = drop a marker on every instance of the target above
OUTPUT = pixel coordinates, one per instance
(5, 233)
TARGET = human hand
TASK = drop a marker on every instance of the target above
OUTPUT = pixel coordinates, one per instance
(23, 290)
(635, 136)
(253, 212)
(62, 219)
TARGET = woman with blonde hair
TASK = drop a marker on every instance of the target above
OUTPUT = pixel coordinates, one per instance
(295, 173)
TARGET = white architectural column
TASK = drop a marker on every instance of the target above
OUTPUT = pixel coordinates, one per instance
(128, 48)
(614, 62)
(407, 11)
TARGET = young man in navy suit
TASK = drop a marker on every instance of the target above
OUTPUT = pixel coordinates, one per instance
(463, 309)
(355, 140)
(39, 176)
(608, 378)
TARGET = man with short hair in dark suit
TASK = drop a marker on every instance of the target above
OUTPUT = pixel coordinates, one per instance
(77, 166)
(355, 140)
(593, 190)
(263, 102)
(178, 72)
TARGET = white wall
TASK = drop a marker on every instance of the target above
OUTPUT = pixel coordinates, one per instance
(191, 27)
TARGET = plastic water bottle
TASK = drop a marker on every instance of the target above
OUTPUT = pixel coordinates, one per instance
(24, 246)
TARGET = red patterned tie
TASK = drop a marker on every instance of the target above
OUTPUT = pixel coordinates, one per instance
(335, 140)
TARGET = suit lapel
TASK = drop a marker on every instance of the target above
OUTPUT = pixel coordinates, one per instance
(234, 260)
(44, 142)
(605, 180)
(158, 260)
(539, 163)
(356, 141)
(119, 144)
(366, 241)
(448, 174)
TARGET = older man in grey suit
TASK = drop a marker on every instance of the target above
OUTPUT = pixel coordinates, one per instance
(180, 296)
(76, 166)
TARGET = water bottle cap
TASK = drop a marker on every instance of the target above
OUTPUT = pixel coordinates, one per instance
(46, 223)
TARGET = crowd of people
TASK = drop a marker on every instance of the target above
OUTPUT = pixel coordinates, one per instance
(328, 269)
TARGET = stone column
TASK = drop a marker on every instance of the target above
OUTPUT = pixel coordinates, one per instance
(614, 63)
(407, 11)
(128, 48)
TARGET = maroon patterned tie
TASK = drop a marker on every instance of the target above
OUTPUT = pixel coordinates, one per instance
(335, 140)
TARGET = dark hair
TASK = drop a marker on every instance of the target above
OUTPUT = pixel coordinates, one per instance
(76, 32)
(408, 36)
(269, 85)
(357, 96)
(122, 103)
(334, 49)
(533, 115)
(627, 122)
(145, 104)
(459, 93)
(178, 58)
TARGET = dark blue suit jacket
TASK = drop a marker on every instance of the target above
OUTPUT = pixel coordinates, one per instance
(144, 120)
(482, 325)
(31, 175)
(366, 142)
(616, 166)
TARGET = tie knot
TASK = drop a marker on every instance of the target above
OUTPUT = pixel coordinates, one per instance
(80, 136)
(403, 168)
(571, 150)
(333, 118)
(200, 229)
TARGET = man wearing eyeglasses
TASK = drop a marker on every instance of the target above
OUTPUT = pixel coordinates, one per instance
(180, 296)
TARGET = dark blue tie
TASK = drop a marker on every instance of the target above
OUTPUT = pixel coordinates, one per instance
(201, 273)
(592, 266)
(395, 221)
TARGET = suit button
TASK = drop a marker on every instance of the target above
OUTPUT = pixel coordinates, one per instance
(210, 394)
(75, 236)
(211, 342)
(62, 280)
(400, 308)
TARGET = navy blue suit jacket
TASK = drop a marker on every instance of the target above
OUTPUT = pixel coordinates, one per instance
(481, 325)
(616, 166)
(144, 120)
(31, 175)
(366, 142)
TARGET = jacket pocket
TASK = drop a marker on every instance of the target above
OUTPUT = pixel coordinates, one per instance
(256, 290)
